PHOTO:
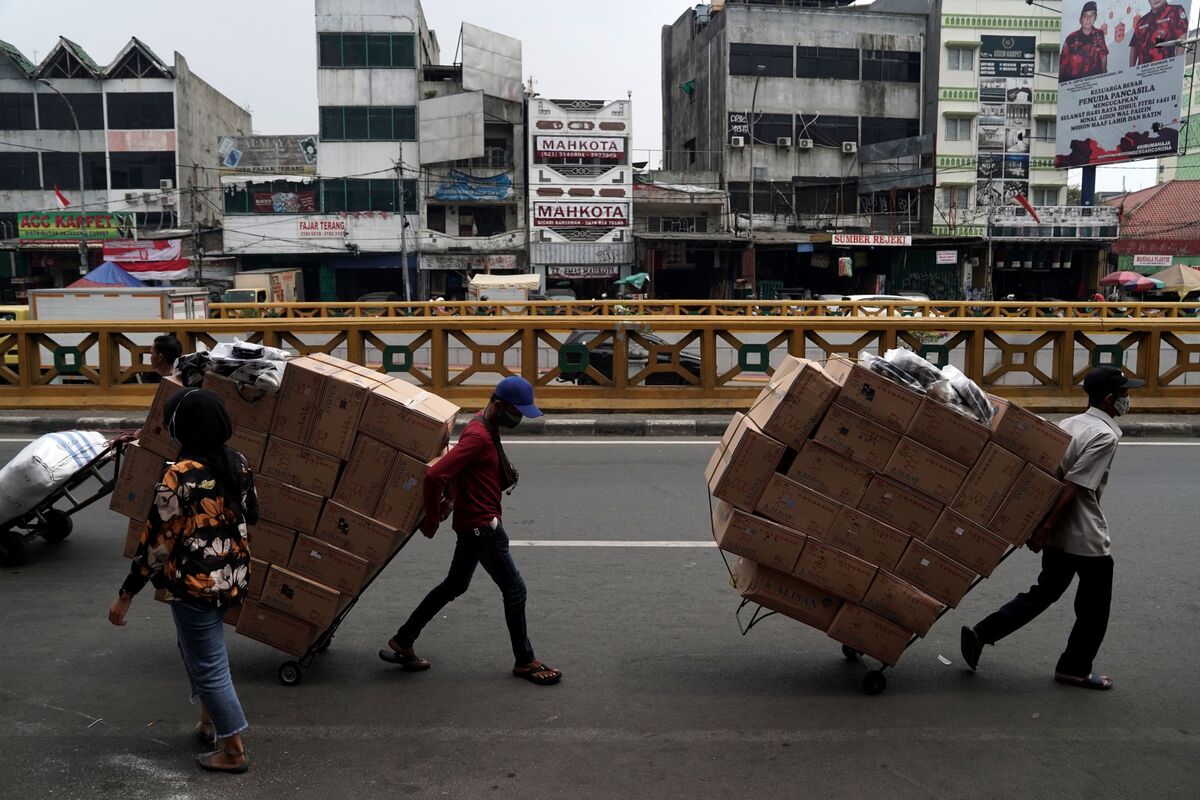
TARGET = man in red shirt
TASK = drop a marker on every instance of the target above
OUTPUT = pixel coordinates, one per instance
(469, 480)
(1164, 23)
(1084, 52)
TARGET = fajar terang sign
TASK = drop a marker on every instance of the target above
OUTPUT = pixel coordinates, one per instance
(871, 240)
(581, 215)
(321, 229)
(608, 148)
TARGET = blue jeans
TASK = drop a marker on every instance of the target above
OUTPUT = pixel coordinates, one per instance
(489, 548)
(201, 638)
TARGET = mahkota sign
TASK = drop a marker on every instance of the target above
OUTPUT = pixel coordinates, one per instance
(607, 148)
(581, 215)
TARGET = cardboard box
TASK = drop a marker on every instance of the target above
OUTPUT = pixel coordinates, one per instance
(274, 628)
(987, 484)
(872, 395)
(1029, 436)
(900, 506)
(967, 543)
(361, 486)
(333, 361)
(232, 616)
(250, 444)
(258, 578)
(133, 491)
(856, 437)
(288, 506)
(785, 594)
(1027, 504)
(248, 407)
(302, 467)
(270, 542)
(905, 605)
(755, 538)
(935, 574)
(343, 399)
(829, 568)
(926, 470)
(743, 463)
(830, 473)
(354, 533)
(410, 419)
(298, 596)
(133, 537)
(299, 392)
(329, 565)
(795, 400)
(870, 633)
(402, 499)
(797, 507)
(154, 436)
(949, 432)
(873, 541)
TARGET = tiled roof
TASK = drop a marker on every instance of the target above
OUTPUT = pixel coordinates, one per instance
(1170, 210)
(81, 54)
(17, 56)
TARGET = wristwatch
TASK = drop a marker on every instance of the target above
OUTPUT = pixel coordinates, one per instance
(124, 595)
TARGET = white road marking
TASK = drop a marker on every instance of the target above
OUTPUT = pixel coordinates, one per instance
(1160, 444)
(608, 543)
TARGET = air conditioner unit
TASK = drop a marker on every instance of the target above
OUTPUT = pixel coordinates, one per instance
(737, 142)
(783, 141)
(166, 184)
(133, 197)
(169, 199)
(849, 147)
(804, 144)
(149, 197)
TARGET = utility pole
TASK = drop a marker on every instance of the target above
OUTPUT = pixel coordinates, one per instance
(197, 245)
(403, 229)
(758, 68)
(83, 247)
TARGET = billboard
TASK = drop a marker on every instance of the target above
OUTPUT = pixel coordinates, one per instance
(1006, 75)
(34, 226)
(1118, 92)
(269, 155)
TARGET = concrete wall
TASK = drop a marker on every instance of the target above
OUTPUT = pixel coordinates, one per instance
(701, 56)
(279, 233)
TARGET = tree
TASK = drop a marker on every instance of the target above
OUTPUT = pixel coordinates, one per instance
(1074, 195)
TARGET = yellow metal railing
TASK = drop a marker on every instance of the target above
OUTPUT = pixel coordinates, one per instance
(601, 363)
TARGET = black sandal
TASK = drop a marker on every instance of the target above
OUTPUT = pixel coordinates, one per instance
(539, 673)
(408, 663)
(1092, 681)
(207, 761)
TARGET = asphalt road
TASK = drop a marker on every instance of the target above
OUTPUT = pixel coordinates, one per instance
(662, 696)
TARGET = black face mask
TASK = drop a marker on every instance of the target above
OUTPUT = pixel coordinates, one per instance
(508, 418)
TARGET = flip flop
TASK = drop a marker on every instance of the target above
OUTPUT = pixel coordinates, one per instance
(539, 673)
(411, 663)
(207, 762)
(971, 647)
(1093, 681)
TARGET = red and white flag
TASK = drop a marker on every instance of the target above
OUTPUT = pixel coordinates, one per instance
(63, 202)
(1024, 201)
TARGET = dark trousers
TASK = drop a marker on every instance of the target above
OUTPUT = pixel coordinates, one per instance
(1092, 601)
(489, 548)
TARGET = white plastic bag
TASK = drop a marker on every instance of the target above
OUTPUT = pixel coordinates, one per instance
(970, 394)
(44, 465)
(245, 351)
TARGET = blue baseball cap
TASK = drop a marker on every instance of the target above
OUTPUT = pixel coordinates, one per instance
(517, 391)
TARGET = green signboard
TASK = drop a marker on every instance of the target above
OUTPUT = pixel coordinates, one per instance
(52, 225)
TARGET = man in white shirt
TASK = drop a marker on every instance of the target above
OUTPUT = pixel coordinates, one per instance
(1075, 538)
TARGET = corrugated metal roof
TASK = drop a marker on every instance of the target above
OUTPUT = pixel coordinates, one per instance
(17, 56)
(78, 51)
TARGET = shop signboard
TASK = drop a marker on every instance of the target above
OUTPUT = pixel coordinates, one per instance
(871, 240)
(35, 226)
(321, 229)
(607, 148)
(1004, 136)
(947, 256)
(1152, 261)
(271, 155)
(581, 215)
(580, 272)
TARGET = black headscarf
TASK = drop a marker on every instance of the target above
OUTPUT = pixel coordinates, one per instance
(199, 422)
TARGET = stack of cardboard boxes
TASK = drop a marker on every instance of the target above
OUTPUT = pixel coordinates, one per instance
(863, 508)
(339, 455)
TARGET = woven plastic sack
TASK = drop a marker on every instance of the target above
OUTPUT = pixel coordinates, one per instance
(45, 464)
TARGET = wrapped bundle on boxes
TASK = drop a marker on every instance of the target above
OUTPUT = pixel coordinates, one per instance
(864, 498)
(339, 453)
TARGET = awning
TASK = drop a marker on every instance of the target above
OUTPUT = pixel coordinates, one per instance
(531, 281)
(244, 178)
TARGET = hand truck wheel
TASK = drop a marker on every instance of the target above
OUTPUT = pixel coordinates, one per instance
(850, 653)
(290, 673)
(57, 526)
(13, 549)
(874, 682)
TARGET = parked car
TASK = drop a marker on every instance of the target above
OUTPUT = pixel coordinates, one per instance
(381, 297)
(908, 311)
(601, 358)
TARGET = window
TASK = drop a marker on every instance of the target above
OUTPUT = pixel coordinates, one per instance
(141, 170)
(19, 171)
(497, 154)
(958, 197)
(960, 58)
(373, 50)
(827, 130)
(1045, 197)
(136, 111)
(689, 147)
(271, 197)
(375, 194)
(776, 58)
(891, 65)
(769, 198)
(1046, 130)
(839, 63)
(886, 129)
(769, 127)
(826, 196)
(958, 129)
(1048, 62)
(62, 170)
(368, 123)
(16, 111)
(53, 114)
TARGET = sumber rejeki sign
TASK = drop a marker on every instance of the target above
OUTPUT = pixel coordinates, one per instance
(871, 239)
(46, 225)
(581, 215)
(608, 148)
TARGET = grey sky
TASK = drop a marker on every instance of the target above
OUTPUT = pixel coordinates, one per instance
(262, 53)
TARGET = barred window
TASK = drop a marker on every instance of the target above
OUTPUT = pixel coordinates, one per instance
(368, 123)
(370, 50)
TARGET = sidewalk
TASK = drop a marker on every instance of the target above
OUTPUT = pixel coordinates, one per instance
(562, 425)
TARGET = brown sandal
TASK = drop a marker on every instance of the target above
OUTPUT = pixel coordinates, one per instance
(539, 673)
(408, 663)
(208, 762)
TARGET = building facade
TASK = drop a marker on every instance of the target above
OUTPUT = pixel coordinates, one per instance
(147, 131)
(1186, 167)
(580, 193)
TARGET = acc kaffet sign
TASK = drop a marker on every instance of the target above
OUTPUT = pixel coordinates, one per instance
(871, 240)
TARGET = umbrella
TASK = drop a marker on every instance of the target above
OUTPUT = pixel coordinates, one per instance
(1145, 285)
(636, 280)
(1179, 278)
(107, 274)
(1123, 278)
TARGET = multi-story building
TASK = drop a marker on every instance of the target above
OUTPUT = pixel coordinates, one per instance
(580, 192)
(1186, 167)
(147, 135)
